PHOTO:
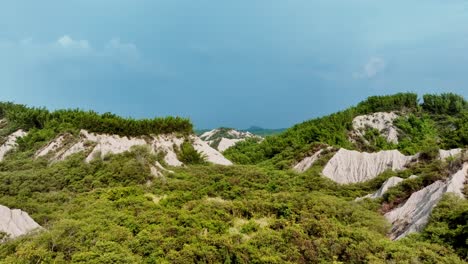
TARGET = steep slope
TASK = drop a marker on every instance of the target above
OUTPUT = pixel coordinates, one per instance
(349, 166)
(10, 143)
(413, 215)
(15, 223)
(224, 138)
(381, 121)
(101, 145)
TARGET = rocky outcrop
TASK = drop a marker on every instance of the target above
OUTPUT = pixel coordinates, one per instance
(444, 154)
(413, 215)
(15, 222)
(382, 121)
(157, 170)
(307, 162)
(349, 166)
(10, 143)
(391, 182)
(100, 145)
(210, 153)
(224, 138)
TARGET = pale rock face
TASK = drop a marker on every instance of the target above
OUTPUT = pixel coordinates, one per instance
(53, 146)
(157, 170)
(210, 153)
(307, 162)
(166, 144)
(391, 182)
(15, 222)
(232, 139)
(348, 166)
(110, 144)
(413, 215)
(381, 121)
(103, 144)
(10, 143)
(444, 154)
(226, 143)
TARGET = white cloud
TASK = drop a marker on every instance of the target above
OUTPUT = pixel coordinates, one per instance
(67, 42)
(373, 67)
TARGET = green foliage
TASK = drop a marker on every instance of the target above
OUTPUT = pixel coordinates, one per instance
(397, 102)
(188, 155)
(282, 150)
(446, 103)
(66, 120)
(419, 128)
(418, 132)
(448, 225)
(112, 210)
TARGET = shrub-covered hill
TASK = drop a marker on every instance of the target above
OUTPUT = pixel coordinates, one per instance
(20, 116)
(440, 120)
(115, 209)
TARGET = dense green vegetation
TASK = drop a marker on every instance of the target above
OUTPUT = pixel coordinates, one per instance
(106, 212)
(27, 118)
(113, 210)
(442, 120)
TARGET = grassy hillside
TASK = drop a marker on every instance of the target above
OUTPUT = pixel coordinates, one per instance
(20, 116)
(113, 210)
(106, 212)
(442, 121)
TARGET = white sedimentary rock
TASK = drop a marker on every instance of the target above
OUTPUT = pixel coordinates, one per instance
(307, 162)
(348, 166)
(226, 143)
(391, 182)
(413, 215)
(15, 222)
(211, 154)
(382, 121)
(166, 144)
(10, 143)
(110, 144)
(444, 154)
(225, 138)
(53, 146)
(100, 145)
(157, 170)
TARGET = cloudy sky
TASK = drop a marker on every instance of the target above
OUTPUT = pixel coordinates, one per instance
(271, 63)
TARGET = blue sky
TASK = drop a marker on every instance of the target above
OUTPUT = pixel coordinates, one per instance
(229, 63)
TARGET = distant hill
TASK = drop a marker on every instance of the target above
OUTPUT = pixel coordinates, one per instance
(264, 131)
(259, 131)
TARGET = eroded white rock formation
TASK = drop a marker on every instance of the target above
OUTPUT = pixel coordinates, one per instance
(100, 145)
(413, 215)
(15, 222)
(211, 154)
(382, 121)
(223, 139)
(307, 162)
(10, 143)
(349, 166)
(391, 182)
(444, 154)
(157, 170)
